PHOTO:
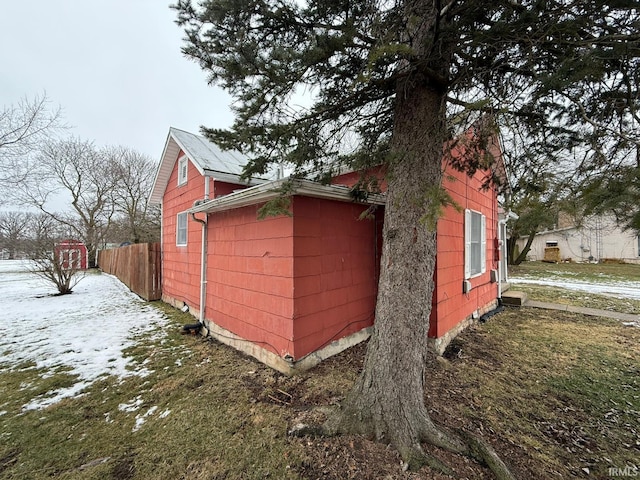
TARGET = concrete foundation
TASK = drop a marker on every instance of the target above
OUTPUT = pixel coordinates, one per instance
(439, 345)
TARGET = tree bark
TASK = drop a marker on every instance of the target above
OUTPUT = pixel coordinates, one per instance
(525, 250)
(387, 400)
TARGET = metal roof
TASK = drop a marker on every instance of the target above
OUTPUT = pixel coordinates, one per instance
(206, 156)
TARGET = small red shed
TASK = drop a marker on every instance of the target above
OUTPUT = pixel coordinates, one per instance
(293, 290)
(73, 254)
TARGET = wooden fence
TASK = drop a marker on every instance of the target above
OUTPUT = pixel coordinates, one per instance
(137, 266)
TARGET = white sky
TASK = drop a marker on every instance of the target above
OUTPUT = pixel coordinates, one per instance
(113, 66)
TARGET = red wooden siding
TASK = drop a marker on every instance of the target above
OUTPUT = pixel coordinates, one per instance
(450, 305)
(181, 265)
(224, 188)
(250, 277)
(293, 284)
(454, 306)
(336, 262)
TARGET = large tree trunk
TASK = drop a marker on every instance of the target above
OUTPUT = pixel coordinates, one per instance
(387, 401)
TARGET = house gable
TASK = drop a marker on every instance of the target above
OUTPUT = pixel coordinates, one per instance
(207, 158)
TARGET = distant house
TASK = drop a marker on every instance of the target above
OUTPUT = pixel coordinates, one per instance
(73, 254)
(598, 238)
(293, 290)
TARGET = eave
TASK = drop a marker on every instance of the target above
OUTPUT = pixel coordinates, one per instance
(268, 191)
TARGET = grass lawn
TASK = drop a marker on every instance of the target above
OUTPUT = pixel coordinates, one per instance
(556, 393)
(601, 273)
(585, 271)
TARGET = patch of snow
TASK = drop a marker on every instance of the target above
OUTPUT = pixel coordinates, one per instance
(134, 405)
(15, 266)
(164, 414)
(140, 419)
(54, 396)
(84, 333)
(3, 412)
(559, 273)
(630, 290)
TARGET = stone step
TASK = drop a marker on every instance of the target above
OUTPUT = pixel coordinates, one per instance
(514, 298)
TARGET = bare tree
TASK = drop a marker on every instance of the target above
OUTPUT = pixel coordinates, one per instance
(49, 261)
(138, 221)
(13, 231)
(24, 128)
(86, 177)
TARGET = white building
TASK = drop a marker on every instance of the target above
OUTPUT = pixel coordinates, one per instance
(598, 238)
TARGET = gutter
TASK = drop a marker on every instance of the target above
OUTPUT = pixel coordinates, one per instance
(272, 189)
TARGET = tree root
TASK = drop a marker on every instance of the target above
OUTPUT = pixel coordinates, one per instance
(415, 458)
(467, 444)
(459, 442)
(483, 452)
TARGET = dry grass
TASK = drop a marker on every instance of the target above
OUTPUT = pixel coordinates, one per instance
(561, 387)
(205, 423)
(565, 296)
(555, 393)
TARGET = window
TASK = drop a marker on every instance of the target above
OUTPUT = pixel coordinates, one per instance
(181, 229)
(182, 170)
(475, 243)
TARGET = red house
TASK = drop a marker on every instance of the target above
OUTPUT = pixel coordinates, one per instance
(294, 290)
(73, 254)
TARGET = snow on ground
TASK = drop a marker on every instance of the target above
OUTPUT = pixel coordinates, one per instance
(84, 333)
(612, 288)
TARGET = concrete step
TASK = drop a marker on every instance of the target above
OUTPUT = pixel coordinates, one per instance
(514, 298)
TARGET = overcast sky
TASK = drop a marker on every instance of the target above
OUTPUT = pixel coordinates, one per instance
(113, 66)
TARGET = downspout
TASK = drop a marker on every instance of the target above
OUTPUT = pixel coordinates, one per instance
(203, 253)
(502, 224)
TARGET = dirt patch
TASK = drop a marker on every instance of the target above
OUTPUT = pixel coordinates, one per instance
(124, 468)
(358, 458)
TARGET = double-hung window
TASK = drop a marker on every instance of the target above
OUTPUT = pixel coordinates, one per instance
(181, 229)
(475, 243)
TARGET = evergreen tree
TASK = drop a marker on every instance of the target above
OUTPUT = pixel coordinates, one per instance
(617, 193)
(370, 82)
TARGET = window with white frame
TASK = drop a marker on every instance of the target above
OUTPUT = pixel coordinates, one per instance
(475, 243)
(183, 167)
(181, 229)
